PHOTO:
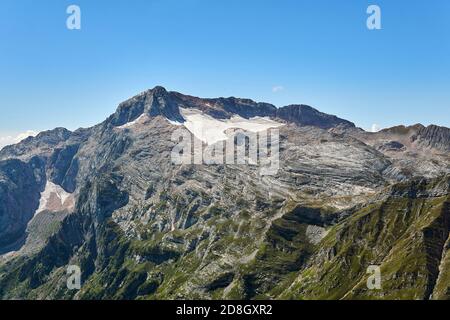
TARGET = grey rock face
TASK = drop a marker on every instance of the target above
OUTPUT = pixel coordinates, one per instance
(152, 102)
(308, 116)
(62, 167)
(434, 137)
(411, 154)
(19, 199)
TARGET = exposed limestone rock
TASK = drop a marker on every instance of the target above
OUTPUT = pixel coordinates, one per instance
(140, 226)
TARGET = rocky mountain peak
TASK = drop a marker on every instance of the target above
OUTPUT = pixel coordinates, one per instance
(160, 102)
(434, 137)
(46, 140)
(110, 200)
(54, 136)
(154, 102)
(403, 130)
(158, 91)
(306, 115)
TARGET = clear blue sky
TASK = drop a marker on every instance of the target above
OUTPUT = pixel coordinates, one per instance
(319, 51)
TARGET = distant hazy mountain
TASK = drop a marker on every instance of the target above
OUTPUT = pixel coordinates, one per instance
(109, 199)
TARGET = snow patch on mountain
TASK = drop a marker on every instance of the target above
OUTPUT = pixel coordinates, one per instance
(175, 123)
(211, 130)
(139, 120)
(54, 198)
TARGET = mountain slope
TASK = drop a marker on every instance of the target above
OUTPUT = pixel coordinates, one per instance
(142, 227)
(404, 233)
